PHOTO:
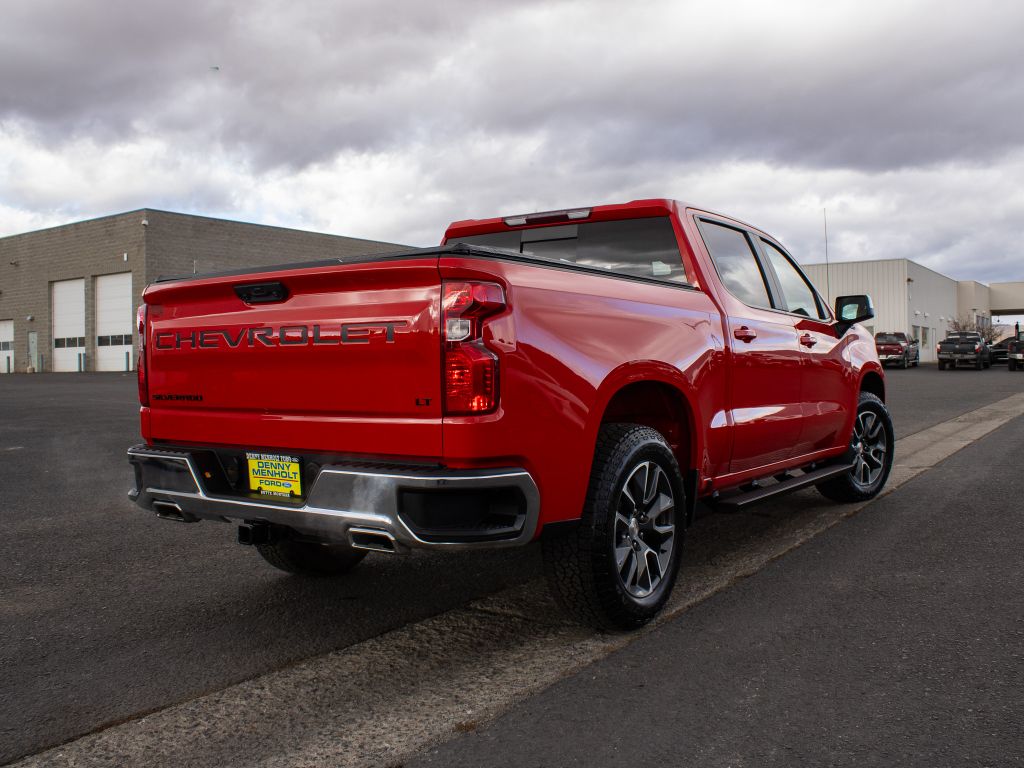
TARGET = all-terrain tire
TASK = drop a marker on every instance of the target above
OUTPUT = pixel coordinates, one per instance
(856, 485)
(942, 365)
(583, 566)
(309, 558)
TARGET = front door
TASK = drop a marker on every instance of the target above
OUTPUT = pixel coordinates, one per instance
(825, 386)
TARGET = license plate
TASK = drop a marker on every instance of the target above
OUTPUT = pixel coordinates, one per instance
(271, 474)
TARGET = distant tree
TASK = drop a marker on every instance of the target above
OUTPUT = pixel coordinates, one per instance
(965, 324)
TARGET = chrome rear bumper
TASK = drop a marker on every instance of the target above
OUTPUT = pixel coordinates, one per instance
(344, 503)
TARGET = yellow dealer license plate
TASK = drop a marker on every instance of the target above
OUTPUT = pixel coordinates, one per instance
(274, 475)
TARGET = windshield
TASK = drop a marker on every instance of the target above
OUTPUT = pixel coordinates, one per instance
(633, 247)
(887, 338)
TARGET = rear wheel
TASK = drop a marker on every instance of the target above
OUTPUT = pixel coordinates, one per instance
(942, 365)
(617, 568)
(1011, 365)
(310, 558)
(906, 362)
(872, 448)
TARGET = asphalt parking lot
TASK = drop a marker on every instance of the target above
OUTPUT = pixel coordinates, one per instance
(110, 613)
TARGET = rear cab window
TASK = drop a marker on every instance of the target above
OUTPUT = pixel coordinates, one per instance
(736, 263)
(639, 248)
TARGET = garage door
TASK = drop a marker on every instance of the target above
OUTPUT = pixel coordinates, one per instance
(114, 322)
(6, 346)
(68, 302)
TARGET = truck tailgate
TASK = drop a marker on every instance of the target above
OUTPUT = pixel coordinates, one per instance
(345, 359)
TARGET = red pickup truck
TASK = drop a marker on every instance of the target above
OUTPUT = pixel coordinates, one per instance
(582, 377)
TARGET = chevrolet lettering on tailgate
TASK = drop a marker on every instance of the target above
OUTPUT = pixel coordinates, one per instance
(283, 336)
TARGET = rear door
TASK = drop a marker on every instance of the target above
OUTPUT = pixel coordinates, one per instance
(341, 359)
(764, 382)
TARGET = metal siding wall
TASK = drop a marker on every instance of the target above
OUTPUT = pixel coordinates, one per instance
(885, 281)
(931, 305)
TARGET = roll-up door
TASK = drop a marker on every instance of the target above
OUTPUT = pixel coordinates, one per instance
(114, 322)
(68, 302)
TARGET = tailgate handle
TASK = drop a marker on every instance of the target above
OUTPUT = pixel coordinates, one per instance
(261, 293)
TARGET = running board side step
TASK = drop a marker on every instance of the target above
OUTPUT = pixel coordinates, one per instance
(744, 499)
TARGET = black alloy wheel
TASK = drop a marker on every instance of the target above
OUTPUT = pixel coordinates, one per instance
(616, 569)
(871, 454)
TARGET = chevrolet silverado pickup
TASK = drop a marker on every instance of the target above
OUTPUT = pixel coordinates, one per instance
(579, 377)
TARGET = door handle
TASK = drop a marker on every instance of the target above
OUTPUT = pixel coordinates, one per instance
(808, 341)
(745, 334)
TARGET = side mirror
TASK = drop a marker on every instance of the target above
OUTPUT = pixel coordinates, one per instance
(851, 310)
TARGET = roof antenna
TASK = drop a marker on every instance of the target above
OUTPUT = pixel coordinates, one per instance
(828, 285)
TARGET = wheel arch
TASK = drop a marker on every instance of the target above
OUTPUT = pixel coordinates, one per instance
(873, 382)
(656, 396)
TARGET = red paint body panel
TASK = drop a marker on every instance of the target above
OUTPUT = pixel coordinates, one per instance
(567, 343)
(356, 395)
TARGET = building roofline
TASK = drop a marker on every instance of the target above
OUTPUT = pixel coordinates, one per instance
(271, 226)
(73, 223)
(879, 261)
(148, 210)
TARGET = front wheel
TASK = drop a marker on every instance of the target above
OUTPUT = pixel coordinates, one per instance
(872, 446)
(616, 569)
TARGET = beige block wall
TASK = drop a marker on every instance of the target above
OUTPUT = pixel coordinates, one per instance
(148, 243)
(31, 262)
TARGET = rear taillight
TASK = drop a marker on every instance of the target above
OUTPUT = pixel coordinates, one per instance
(140, 368)
(470, 369)
(938, 348)
(977, 347)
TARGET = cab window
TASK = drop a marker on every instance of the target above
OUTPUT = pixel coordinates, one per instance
(797, 295)
(736, 263)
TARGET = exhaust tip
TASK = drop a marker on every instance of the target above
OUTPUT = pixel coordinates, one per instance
(371, 539)
(168, 510)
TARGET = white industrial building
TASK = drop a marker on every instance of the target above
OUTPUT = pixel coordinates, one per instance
(913, 299)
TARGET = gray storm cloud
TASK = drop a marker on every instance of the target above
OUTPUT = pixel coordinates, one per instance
(897, 115)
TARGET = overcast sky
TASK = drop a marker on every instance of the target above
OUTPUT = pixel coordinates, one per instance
(386, 120)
